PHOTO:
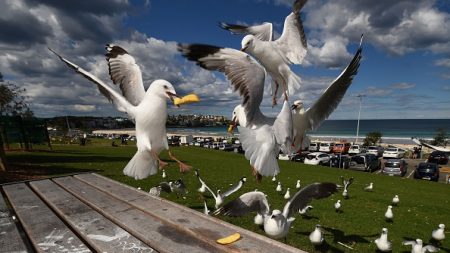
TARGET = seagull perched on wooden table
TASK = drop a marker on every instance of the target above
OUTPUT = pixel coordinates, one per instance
(277, 223)
(148, 109)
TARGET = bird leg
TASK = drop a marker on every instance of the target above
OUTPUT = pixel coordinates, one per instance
(183, 167)
(285, 91)
(160, 162)
(256, 174)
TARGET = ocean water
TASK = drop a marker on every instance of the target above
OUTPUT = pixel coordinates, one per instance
(390, 128)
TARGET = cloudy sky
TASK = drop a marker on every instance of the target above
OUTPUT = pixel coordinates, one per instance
(405, 71)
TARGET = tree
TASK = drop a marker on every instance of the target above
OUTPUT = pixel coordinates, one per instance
(372, 138)
(440, 139)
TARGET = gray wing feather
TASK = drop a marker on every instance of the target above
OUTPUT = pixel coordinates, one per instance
(233, 189)
(262, 32)
(203, 183)
(409, 243)
(245, 74)
(283, 129)
(248, 202)
(124, 72)
(430, 248)
(303, 197)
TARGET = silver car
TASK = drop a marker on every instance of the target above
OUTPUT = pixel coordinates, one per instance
(395, 167)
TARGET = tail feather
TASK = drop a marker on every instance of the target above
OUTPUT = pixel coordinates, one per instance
(141, 165)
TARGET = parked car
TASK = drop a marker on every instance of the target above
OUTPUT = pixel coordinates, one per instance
(237, 148)
(225, 147)
(356, 149)
(284, 157)
(395, 167)
(393, 152)
(341, 147)
(340, 161)
(300, 158)
(438, 157)
(326, 147)
(375, 150)
(314, 146)
(317, 158)
(427, 171)
(366, 162)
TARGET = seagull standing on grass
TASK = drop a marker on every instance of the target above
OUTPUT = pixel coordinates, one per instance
(382, 243)
(279, 189)
(219, 197)
(346, 184)
(276, 55)
(337, 206)
(417, 246)
(316, 236)
(310, 119)
(439, 233)
(274, 178)
(395, 200)
(148, 109)
(305, 209)
(369, 188)
(262, 137)
(277, 223)
(287, 195)
(298, 185)
(389, 215)
(164, 174)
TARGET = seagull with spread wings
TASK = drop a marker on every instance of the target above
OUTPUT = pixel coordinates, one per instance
(311, 118)
(148, 109)
(262, 137)
(276, 224)
(276, 55)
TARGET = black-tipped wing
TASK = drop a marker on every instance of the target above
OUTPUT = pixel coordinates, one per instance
(303, 197)
(263, 31)
(124, 72)
(248, 202)
(118, 100)
(292, 42)
(245, 74)
(234, 188)
(203, 183)
(165, 187)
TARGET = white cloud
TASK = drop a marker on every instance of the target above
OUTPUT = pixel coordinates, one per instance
(403, 86)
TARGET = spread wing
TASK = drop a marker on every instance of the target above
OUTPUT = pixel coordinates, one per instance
(430, 248)
(124, 72)
(292, 42)
(118, 100)
(333, 95)
(303, 197)
(234, 188)
(263, 31)
(283, 129)
(248, 202)
(245, 74)
(203, 183)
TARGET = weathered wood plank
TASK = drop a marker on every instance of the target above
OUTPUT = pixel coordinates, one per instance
(45, 230)
(10, 239)
(205, 227)
(154, 232)
(102, 234)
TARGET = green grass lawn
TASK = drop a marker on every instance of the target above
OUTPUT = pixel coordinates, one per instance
(423, 205)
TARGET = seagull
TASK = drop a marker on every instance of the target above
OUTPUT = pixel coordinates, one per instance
(262, 137)
(395, 200)
(287, 195)
(277, 223)
(279, 189)
(297, 186)
(310, 119)
(345, 194)
(205, 208)
(417, 246)
(148, 109)
(276, 55)
(178, 187)
(274, 178)
(316, 236)
(337, 206)
(346, 184)
(389, 215)
(439, 233)
(164, 174)
(382, 243)
(369, 188)
(221, 196)
(305, 209)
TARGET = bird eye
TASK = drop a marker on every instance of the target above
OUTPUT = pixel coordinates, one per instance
(165, 87)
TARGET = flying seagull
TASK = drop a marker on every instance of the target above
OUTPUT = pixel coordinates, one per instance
(311, 118)
(148, 109)
(346, 184)
(219, 197)
(417, 246)
(276, 55)
(382, 242)
(277, 223)
(247, 77)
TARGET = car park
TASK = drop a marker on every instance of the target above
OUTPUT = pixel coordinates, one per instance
(326, 147)
(375, 150)
(395, 167)
(237, 148)
(341, 147)
(300, 158)
(365, 162)
(317, 158)
(393, 152)
(314, 146)
(356, 149)
(340, 161)
(427, 171)
(438, 157)
(226, 147)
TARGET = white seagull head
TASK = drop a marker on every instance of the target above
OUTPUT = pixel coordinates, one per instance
(276, 214)
(442, 226)
(297, 105)
(247, 42)
(163, 89)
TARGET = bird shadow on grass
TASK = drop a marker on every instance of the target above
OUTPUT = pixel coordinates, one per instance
(309, 217)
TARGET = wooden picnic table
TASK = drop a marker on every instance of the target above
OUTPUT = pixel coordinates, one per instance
(92, 213)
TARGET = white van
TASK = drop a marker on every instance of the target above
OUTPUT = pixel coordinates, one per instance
(314, 146)
(326, 147)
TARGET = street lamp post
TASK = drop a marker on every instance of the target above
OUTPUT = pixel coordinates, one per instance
(359, 115)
